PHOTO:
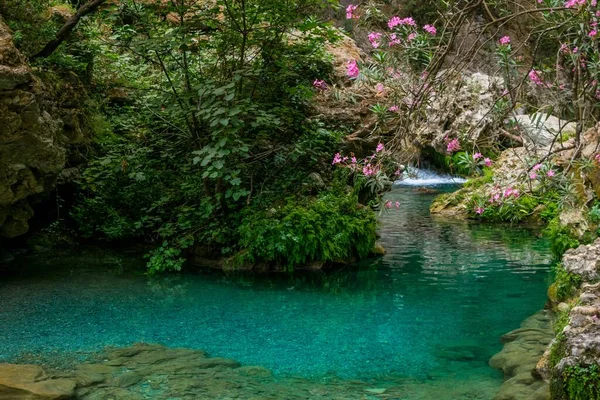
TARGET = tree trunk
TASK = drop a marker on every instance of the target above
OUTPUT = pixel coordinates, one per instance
(68, 27)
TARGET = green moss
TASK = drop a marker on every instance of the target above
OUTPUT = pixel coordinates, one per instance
(561, 320)
(558, 350)
(566, 283)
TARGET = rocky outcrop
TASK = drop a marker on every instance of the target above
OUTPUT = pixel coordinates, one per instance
(462, 110)
(153, 371)
(578, 344)
(522, 350)
(542, 130)
(33, 139)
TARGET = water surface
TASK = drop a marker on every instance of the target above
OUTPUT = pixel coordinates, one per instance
(432, 310)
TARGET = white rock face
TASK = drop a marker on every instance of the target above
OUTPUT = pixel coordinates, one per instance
(462, 110)
(541, 130)
(584, 261)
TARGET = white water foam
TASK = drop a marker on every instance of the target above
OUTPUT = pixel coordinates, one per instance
(424, 177)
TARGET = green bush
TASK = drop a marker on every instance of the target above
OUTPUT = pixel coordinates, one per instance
(561, 238)
(566, 283)
(330, 228)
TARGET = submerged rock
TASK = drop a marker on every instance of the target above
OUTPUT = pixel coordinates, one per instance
(30, 382)
(522, 351)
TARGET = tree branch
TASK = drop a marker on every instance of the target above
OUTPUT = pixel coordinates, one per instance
(68, 27)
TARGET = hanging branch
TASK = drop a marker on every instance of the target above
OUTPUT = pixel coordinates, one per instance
(68, 27)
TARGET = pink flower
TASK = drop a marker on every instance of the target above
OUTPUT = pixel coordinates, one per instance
(574, 3)
(394, 40)
(393, 109)
(597, 158)
(374, 39)
(350, 11)
(397, 204)
(369, 170)
(395, 21)
(380, 147)
(532, 175)
(412, 36)
(380, 88)
(337, 158)
(537, 167)
(534, 76)
(430, 29)
(353, 160)
(477, 156)
(388, 204)
(487, 162)
(593, 33)
(453, 146)
(352, 69)
(504, 40)
(550, 173)
(479, 210)
(320, 84)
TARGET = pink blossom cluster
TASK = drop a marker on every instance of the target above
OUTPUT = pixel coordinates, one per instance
(504, 40)
(453, 146)
(389, 204)
(320, 84)
(366, 166)
(352, 70)
(499, 195)
(574, 3)
(370, 170)
(534, 76)
(350, 11)
(597, 158)
(395, 21)
(430, 29)
(394, 40)
(374, 38)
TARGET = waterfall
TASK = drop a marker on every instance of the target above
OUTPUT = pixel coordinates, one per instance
(424, 177)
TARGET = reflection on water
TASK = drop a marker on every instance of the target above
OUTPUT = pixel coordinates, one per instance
(432, 309)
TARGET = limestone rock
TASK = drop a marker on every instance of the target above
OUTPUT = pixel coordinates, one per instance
(540, 130)
(343, 51)
(584, 261)
(462, 111)
(31, 153)
(31, 382)
(518, 359)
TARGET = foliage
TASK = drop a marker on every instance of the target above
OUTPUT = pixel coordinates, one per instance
(328, 229)
(566, 283)
(561, 238)
(582, 383)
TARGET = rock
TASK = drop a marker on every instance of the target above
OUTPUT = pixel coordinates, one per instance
(31, 382)
(343, 51)
(38, 123)
(540, 130)
(315, 180)
(378, 249)
(462, 111)
(584, 261)
(520, 355)
(129, 378)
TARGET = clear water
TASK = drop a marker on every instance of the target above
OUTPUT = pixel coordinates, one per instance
(433, 308)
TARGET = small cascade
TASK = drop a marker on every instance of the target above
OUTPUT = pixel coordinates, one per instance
(425, 177)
